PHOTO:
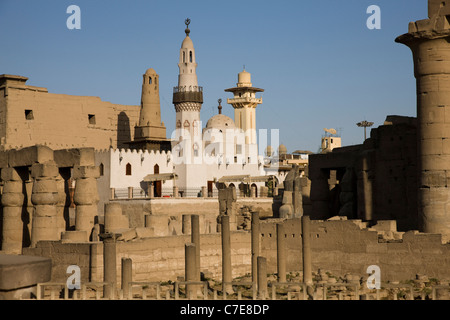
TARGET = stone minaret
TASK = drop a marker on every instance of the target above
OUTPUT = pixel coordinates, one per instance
(187, 96)
(150, 134)
(244, 104)
(429, 41)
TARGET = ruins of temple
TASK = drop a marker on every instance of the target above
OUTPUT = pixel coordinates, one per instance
(379, 204)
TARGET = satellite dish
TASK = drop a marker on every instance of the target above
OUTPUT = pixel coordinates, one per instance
(331, 131)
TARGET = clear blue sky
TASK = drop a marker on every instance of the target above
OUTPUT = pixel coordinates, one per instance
(319, 64)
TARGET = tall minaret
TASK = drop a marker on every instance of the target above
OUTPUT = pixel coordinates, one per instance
(244, 104)
(150, 134)
(187, 96)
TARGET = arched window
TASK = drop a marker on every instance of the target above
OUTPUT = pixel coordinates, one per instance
(195, 147)
(190, 56)
(178, 124)
(102, 168)
(156, 169)
(184, 56)
(186, 125)
(149, 80)
(128, 169)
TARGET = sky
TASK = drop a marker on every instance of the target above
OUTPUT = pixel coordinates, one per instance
(318, 62)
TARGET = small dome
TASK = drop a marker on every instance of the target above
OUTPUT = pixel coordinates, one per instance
(221, 122)
(245, 78)
(282, 149)
(150, 71)
(187, 43)
(269, 151)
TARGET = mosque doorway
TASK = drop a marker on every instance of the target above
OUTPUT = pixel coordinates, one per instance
(210, 188)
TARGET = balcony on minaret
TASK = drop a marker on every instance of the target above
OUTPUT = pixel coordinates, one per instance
(188, 94)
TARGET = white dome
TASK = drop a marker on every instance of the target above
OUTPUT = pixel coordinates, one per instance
(221, 122)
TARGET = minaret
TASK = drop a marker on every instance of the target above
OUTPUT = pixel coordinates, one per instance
(150, 134)
(187, 96)
(429, 42)
(244, 104)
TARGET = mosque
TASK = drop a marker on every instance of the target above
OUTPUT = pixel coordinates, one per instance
(195, 160)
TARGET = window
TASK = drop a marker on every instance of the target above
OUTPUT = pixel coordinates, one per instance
(238, 149)
(29, 115)
(195, 150)
(128, 169)
(149, 80)
(102, 168)
(156, 169)
(91, 118)
(190, 56)
(184, 56)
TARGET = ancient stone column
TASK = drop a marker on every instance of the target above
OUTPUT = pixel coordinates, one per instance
(190, 268)
(86, 197)
(365, 190)
(175, 192)
(12, 202)
(319, 194)
(281, 253)
(113, 193)
(130, 192)
(306, 250)
(262, 277)
(62, 200)
(195, 239)
(255, 245)
(44, 198)
(127, 275)
(109, 265)
(226, 254)
(430, 46)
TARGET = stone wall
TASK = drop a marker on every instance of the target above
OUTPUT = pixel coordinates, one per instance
(346, 246)
(339, 246)
(154, 259)
(61, 121)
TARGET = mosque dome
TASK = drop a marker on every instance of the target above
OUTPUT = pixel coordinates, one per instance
(269, 151)
(221, 122)
(282, 149)
(150, 71)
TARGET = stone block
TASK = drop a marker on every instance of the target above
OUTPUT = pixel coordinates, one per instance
(75, 157)
(19, 271)
(10, 174)
(74, 236)
(29, 156)
(44, 170)
(86, 172)
(385, 225)
(126, 235)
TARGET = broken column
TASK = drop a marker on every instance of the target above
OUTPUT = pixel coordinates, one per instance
(86, 197)
(44, 198)
(226, 254)
(190, 269)
(255, 245)
(262, 277)
(281, 253)
(109, 264)
(127, 276)
(12, 202)
(115, 221)
(195, 239)
(429, 43)
(306, 250)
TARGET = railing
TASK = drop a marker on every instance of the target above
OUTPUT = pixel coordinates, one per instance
(60, 291)
(187, 89)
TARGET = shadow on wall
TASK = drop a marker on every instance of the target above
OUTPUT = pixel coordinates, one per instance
(123, 130)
